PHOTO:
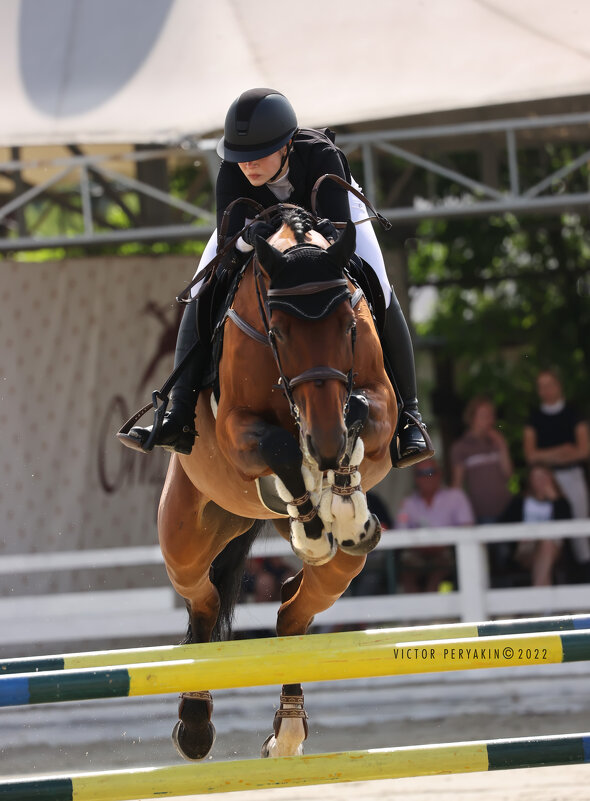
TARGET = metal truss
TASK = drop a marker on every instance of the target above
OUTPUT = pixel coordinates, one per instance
(418, 167)
(86, 178)
(509, 140)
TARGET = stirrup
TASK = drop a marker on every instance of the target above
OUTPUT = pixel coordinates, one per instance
(416, 456)
(135, 442)
(131, 438)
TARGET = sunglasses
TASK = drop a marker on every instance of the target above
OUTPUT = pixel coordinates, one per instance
(426, 472)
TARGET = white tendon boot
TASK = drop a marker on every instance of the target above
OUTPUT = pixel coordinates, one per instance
(312, 551)
(354, 528)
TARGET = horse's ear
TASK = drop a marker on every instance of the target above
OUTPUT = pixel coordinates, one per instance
(270, 258)
(344, 246)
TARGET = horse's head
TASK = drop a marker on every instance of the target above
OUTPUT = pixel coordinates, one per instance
(312, 327)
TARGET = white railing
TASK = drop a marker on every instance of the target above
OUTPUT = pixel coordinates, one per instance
(154, 612)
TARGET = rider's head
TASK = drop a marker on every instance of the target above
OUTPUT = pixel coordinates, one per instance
(259, 123)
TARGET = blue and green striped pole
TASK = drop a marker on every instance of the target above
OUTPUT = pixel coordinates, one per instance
(287, 660)
(315, 769)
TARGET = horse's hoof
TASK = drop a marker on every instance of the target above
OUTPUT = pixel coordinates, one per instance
(193, 745)
(265, 750)
(314, 552)
(368, 539)
(270, 748)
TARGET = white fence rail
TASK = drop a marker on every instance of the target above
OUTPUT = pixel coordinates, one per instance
(154, 612)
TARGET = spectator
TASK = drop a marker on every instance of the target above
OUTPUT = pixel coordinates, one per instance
(482, 465)
(542, 500)
(430, 505)
(263, 578)
(558, 437)
(481, 461)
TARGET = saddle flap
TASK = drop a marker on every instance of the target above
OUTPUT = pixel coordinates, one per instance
(364, 276)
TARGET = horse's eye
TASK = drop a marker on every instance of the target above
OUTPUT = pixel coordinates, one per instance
(276, 333)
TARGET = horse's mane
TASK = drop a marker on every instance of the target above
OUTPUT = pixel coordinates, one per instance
(299, 221)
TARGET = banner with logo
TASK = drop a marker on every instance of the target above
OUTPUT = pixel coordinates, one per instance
(84, 344)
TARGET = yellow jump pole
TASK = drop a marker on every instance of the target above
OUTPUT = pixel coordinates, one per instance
(352, 766)
(287, 660)
(170, 653)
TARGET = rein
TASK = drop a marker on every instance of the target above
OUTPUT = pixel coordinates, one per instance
(224, 248)
(385, 224)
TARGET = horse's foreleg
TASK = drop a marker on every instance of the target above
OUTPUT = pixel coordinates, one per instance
(343, 505)
(255, 446)
(314, 589)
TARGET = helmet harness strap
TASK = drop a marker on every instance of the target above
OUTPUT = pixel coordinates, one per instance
(283, 160)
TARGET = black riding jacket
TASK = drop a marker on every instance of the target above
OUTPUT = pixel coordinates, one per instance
(312, 155)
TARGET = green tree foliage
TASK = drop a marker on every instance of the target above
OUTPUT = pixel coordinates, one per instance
(513, 296)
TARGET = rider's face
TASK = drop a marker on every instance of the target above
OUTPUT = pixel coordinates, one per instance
(260, 171)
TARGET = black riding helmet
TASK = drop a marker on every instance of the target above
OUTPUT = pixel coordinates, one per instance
(259, 122)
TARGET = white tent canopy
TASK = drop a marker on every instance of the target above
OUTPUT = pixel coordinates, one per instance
(88, 71)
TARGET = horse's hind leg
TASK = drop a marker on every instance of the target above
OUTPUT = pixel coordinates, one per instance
(314, 589)
(193, 531)
(289, 726)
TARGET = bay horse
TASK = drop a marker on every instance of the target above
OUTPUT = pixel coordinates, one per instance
(305, 412)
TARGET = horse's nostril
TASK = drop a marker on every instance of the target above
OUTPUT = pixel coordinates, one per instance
(327, 457)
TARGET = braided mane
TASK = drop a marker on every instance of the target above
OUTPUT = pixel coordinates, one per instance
(299, 221)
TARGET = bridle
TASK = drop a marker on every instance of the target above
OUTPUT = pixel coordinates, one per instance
(316, 374)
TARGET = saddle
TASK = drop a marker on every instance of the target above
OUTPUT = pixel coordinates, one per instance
(212, 309)
(362, 275)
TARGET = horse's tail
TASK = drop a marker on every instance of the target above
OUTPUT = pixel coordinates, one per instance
(227, 574)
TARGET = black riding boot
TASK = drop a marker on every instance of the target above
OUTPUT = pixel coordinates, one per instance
(412, 443)
(178, 427)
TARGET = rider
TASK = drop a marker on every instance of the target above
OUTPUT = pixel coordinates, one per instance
(269, 159)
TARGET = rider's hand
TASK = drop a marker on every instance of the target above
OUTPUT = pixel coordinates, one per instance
(257, 228)
(327, 229)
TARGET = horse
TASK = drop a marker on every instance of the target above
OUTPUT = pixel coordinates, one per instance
(305, 412)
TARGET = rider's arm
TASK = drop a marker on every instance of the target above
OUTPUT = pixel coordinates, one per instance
(558, 454)
(332, 200)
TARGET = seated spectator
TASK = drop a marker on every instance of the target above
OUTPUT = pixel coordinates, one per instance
(558, 437)
(263, 578)
(481, 461)
(430, 505)
(541, 500)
